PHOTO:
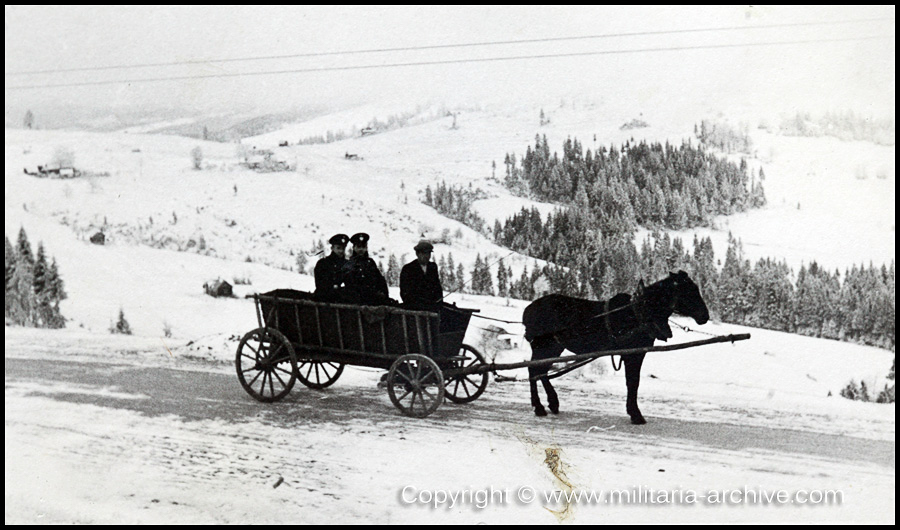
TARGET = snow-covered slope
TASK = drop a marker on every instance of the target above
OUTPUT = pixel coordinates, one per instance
(235, 223)
(820, 207)
(153, 204)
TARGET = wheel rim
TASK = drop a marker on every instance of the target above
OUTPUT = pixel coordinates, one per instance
(319, 374)
(266, 365)
(467, 388)
(416, 385)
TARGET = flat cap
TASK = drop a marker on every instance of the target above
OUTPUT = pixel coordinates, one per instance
(339, 239)
(360, 239)
(424, 246)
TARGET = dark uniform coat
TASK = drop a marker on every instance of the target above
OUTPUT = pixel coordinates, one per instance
(329, 276)
(364, 281)
(418, 287)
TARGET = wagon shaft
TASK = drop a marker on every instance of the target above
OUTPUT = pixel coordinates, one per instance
(594, 355)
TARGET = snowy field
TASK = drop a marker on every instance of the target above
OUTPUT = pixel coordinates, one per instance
(121, 430)
(84, 445)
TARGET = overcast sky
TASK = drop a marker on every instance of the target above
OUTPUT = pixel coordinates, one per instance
(811, 76)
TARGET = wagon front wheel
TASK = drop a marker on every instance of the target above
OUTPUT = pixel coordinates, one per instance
(317, 374)
(415, 385)
(465, 388)
(266, 364)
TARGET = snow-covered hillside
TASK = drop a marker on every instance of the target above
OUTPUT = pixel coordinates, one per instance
(829, 201)
(171, 228)
(820, 206)
(237, 224)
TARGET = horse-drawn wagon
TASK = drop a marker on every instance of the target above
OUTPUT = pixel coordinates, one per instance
(300, 338)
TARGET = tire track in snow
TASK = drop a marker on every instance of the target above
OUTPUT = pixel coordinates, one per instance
(366, 411)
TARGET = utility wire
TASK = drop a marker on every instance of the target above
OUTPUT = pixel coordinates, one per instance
(446, 46)
(442, 62)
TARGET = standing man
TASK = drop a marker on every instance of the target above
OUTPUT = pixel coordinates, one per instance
(420, 284)
(362, 277)
(329, 270)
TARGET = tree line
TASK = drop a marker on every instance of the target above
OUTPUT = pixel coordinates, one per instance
(846, 125)
(857, 305)
(455, 278)
(34, 287)
(456, 202)
(724, 136)
(636, 184)
(591, 252)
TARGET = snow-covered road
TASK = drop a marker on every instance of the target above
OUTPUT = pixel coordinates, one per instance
(130, 439)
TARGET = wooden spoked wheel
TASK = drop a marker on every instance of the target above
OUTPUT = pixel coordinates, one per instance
(266, 364)
(467, 388)
(318, 374)
(415, 385)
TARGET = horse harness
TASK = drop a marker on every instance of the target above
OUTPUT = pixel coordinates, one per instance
(647, 324)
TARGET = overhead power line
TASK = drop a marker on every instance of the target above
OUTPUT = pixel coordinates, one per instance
(444, 46)
(442, 62)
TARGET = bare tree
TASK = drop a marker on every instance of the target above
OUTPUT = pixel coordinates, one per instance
(197, 157)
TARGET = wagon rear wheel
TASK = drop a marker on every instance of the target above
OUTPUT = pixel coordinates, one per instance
(266, 364)
(467, 388)
(415, 385)
(319, 374)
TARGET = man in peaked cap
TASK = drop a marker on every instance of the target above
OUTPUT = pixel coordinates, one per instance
(329, 270)
(362, 277)
(420, 283)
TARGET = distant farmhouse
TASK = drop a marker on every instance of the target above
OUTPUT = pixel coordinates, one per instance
(54, 171)
(265, 161)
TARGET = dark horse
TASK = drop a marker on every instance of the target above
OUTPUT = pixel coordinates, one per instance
(556, 322)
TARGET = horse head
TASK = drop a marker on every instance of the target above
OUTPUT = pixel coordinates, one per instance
(687, 299)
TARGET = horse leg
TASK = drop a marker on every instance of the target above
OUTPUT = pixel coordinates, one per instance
(632, 381)
(535, 399)
(552, 398)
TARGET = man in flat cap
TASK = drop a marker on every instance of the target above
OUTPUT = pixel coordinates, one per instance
(361, 276)
(329, 270)
(420, 284)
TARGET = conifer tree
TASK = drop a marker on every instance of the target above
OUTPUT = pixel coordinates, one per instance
(39, 272)
(502, 283)
(393, 271)
(21, 306)
(442, 273)
(10, 292)
(487, 283)
(121, 326)
(56, 293)
(43, 310)
(851, 391)
(863, 392)
(451, 284)
(10, 265)
(525, 288)
(24, 254)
